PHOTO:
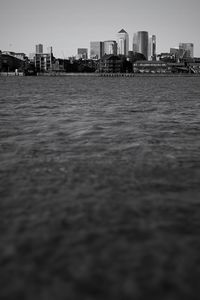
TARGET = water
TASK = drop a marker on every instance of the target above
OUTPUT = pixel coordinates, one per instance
(100, 188)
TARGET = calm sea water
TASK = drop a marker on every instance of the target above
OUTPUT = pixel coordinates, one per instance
(100, 188)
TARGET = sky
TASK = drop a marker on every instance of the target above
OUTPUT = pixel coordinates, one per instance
(67, 25)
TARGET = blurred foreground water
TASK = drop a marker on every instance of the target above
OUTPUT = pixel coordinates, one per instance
(100, 188)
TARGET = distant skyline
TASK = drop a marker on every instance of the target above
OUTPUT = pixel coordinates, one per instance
(67, 25)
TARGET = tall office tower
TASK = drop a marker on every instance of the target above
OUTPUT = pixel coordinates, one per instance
(82, 53)
(96, 50)
(122, 42)
(135, 43)
(142, 42)
(110, 47)
(152, 48)
(186, 50)
(39, 49)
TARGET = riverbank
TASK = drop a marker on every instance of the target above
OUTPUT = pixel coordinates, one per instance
(62, 74)
(11, 74)
(119, 74)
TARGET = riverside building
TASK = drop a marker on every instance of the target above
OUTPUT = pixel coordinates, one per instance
(43, 61)
(110, 64)
(12, 61)
(122, 42)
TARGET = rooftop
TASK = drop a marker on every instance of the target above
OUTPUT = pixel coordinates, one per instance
(122, 31)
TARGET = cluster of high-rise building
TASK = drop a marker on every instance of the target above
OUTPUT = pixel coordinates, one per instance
(142, 43)
(138, 54)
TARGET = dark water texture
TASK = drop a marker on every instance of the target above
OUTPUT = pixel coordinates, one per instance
(100, 188)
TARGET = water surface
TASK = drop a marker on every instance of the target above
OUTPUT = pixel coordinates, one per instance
(100, 188)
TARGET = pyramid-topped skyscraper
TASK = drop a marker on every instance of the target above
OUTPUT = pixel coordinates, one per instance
(122, 42)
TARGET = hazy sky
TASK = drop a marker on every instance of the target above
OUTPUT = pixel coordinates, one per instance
(67, 25)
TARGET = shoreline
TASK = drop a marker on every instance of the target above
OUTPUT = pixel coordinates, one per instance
(124, 75)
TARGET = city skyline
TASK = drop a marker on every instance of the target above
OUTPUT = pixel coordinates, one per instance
(69, 26)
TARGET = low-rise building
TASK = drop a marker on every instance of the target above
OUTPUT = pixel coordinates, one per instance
(167, 57)
(149, 67)
(58, 65)
(10, 63)
(135, 56)
(110, 64)
(43, 62)
(155, 67)
(176, 67)
(194, 67)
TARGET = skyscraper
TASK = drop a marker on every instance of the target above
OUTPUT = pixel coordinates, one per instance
(122, 42)
(152, 48)
(82, 53)
(110, 47)
(186, 50)
(141, 43)
(135, 43)
(39, 49)
(96, 50)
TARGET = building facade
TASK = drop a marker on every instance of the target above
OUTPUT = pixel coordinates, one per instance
(167, 57)
(135, 43)
(82, 53)
(96, 50)
(10, 63)
(110, 47)
(110, 64)
(39, 49)
(143, 42)
(149, 67)
(122, 42)
(186, 50)
(152, 48)
(43, 61)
